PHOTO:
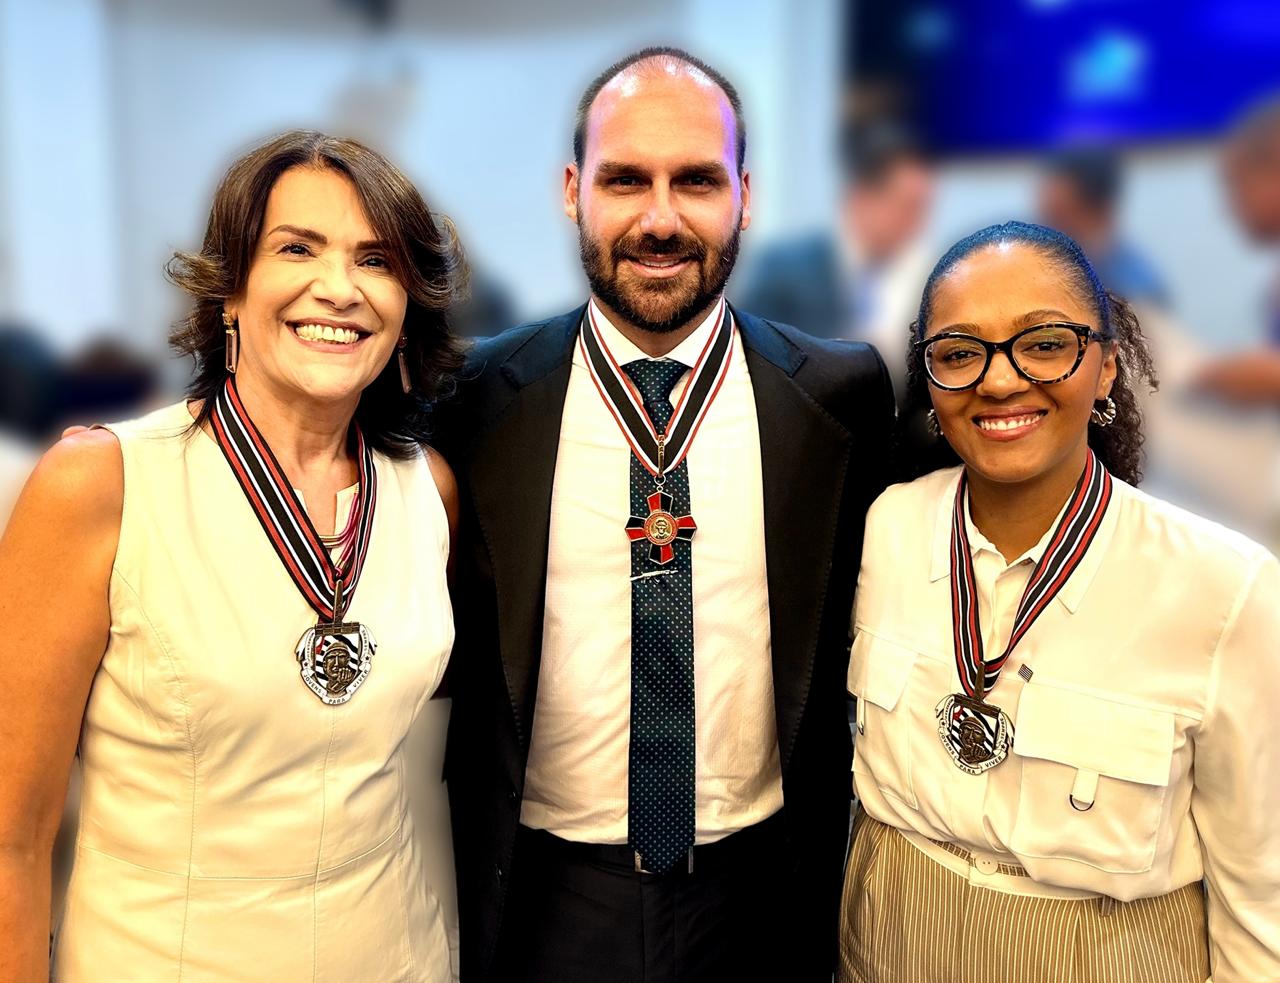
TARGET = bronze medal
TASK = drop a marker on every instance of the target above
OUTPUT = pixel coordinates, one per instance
(661, 528)
(659, 452)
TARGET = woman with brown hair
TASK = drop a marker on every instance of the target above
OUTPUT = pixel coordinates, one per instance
(233, 608)
(1066, 688)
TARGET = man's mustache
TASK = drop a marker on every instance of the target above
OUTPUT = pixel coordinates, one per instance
(650, 245)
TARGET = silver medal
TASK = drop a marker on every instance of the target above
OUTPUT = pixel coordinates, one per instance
(976, 734)
(335, 660)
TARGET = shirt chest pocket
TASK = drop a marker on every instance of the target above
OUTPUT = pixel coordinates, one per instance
(879, 674)
(1095, 778)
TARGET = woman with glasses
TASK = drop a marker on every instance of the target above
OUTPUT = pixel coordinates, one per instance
(1067, 748)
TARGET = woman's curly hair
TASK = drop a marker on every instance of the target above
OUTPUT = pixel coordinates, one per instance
(422, 250)
(1119, 445)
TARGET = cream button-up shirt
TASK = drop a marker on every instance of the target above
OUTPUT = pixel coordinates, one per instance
(1148, 691)
(576, 778)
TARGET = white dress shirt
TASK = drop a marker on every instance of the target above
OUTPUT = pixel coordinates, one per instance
(576, 781)
(1153, 700)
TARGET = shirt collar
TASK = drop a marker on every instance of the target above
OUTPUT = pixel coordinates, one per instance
(624, 350)
(1075, 588)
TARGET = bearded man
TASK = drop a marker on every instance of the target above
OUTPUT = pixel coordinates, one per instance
(648, 757)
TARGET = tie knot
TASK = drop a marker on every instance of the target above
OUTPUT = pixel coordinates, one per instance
(655, 378)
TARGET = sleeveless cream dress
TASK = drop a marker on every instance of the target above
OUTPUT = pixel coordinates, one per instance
(233, 827)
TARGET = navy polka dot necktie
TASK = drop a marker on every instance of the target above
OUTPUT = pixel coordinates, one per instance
(661, 775)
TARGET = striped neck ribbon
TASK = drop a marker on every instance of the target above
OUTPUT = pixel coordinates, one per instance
(328, 586)
(1071, 539)
(659, 451)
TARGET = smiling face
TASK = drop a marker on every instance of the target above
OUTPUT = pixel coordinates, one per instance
(659, 201)
(320, 312)
(1006, 429)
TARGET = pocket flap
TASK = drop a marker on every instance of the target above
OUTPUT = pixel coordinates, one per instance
(879, 669)
(1091, 733)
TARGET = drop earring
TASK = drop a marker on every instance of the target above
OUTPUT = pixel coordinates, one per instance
(233, 342)
(405, 382)
(931, 421)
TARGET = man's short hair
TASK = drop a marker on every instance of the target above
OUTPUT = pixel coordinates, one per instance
(1095, 173)
(659, 53)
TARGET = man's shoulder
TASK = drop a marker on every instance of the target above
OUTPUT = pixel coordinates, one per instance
(846, 378)
(825, 356)
(488, 354)
(493, 372)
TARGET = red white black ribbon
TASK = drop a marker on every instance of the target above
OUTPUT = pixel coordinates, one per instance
(327, 586)
(1075, 531)
(627, 407)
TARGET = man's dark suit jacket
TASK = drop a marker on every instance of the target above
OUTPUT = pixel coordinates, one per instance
(825, 414)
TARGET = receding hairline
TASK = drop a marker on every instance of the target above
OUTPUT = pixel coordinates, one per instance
(652, 62)
(662, 65)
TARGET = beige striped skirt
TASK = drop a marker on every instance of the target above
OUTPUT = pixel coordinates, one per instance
(905, 918)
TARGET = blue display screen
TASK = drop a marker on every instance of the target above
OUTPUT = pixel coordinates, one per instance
(1002, 75)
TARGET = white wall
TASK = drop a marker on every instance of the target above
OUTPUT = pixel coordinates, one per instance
(477, 107)
(59, 246)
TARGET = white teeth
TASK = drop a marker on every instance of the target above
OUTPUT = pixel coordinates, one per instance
(1008, 422)
(325, 332)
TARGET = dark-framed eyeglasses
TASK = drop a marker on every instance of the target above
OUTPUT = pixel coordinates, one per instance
(1042, 353)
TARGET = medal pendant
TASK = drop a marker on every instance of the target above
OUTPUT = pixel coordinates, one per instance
(335, 660)
(660, 528)
(976, 734)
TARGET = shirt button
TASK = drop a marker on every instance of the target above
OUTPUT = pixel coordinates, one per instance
(986, 865)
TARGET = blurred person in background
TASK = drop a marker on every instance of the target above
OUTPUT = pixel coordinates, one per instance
(1251, 169)
(240, 645)
(105, 380)
(30, 385)
(648, 767)
(863, 283)
(485, 310)
(1079, 195)
(1067, 687)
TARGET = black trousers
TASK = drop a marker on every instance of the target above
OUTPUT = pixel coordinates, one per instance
(577, 913)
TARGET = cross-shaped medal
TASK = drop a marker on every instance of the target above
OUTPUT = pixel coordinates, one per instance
(661, 528)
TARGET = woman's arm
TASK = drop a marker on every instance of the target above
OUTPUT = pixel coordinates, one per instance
(1236, 798)
(447, 485)
(55, 569)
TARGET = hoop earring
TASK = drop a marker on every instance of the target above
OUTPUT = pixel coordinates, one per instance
(1107, 415)
(931, 421)
(233, 342)
(406, 383)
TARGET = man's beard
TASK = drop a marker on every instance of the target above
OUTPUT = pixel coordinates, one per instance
(664, 305)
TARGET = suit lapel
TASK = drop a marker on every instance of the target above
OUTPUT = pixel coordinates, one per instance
(804, 454)
(514, 465)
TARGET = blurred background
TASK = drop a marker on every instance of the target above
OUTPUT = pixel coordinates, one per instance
(879, 133)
